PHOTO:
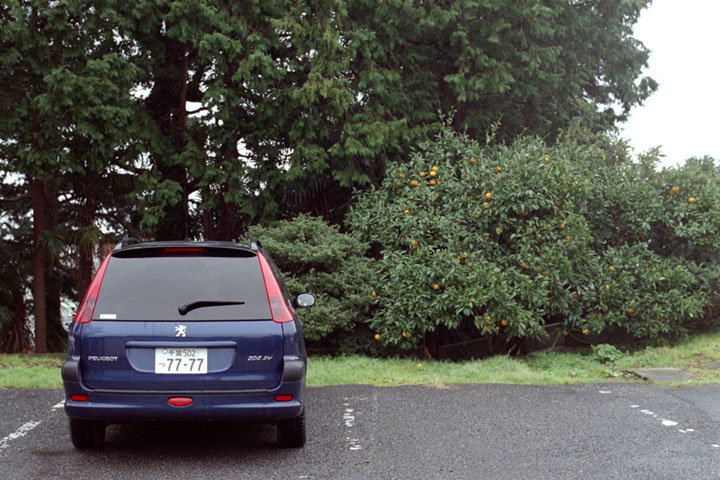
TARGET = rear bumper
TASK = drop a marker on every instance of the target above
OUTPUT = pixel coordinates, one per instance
(120, 406)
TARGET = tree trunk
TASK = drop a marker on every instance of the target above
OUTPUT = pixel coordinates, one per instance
(55, 335)
(15, 338)
(167, 107)
(85, 253)
(38, 202)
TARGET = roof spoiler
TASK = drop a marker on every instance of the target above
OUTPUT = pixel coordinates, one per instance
(255, 244)
(125, 242)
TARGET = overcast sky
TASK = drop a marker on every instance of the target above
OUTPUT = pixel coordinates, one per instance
(682, 115)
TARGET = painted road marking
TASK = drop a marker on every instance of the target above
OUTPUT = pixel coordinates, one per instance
(349, 419)
(20, 432)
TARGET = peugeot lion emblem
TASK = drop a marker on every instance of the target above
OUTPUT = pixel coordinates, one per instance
(180, 330)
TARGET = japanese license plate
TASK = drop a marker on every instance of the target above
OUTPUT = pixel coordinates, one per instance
(180, 360)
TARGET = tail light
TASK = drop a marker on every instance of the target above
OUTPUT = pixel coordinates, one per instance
(283, 398)
(87, 307)
(278, 307)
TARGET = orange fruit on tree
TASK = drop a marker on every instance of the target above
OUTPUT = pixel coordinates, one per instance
(499, 230)
(607, 287)
(434, 169)
(691, 200)
(433, 173)
(473, 160)
(436, 287)
(401, 175)
(585, 331)
(498, 169)
(377, 336)
(373, 293)
(488, 196)
(406, 211)
(504, 322)
(422, 174)
(413, 183)
(433, 182)
(486, 204)
(405, 334)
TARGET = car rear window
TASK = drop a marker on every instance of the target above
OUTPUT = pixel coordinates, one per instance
(146, 287)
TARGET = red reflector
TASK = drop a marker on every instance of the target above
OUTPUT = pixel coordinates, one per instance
(278, 307)
(180, 401)
(283, 398)
(184, 250)
(79, 398)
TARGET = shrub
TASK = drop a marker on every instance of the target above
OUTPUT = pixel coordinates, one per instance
(605, 353)
(508, 240)
(316, 257)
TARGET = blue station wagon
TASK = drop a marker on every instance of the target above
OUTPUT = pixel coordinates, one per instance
(186, 330)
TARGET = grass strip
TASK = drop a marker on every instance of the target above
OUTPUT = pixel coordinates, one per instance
(699, 354)
(30, 371)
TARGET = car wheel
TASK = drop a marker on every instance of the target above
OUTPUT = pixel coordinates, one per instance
(291, 433)
(87, 434)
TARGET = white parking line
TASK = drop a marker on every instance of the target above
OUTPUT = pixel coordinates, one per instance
(349, 419)
(20, 432)
(58, 405)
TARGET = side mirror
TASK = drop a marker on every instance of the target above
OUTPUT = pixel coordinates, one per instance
(304, 300)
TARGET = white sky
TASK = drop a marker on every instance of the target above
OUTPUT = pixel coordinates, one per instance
(682, 115)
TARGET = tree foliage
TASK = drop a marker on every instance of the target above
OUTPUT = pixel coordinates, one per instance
(165, 119)
(509, 240)
(315, 257)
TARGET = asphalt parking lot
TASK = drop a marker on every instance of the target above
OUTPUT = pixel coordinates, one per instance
(358, 432)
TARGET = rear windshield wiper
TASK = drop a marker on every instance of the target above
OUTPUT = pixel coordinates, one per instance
(188, 307)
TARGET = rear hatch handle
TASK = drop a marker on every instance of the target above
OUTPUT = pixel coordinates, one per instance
(188, 307)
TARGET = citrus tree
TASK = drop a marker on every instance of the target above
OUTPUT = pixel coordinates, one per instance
(509, 240)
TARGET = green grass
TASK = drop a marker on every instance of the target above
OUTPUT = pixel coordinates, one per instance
(30, 371)
(699, 355)
(544, 369)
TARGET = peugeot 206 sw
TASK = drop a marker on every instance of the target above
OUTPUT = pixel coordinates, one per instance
(186, 330)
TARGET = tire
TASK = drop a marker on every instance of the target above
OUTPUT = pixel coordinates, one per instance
(87, 434)
(291, 433)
